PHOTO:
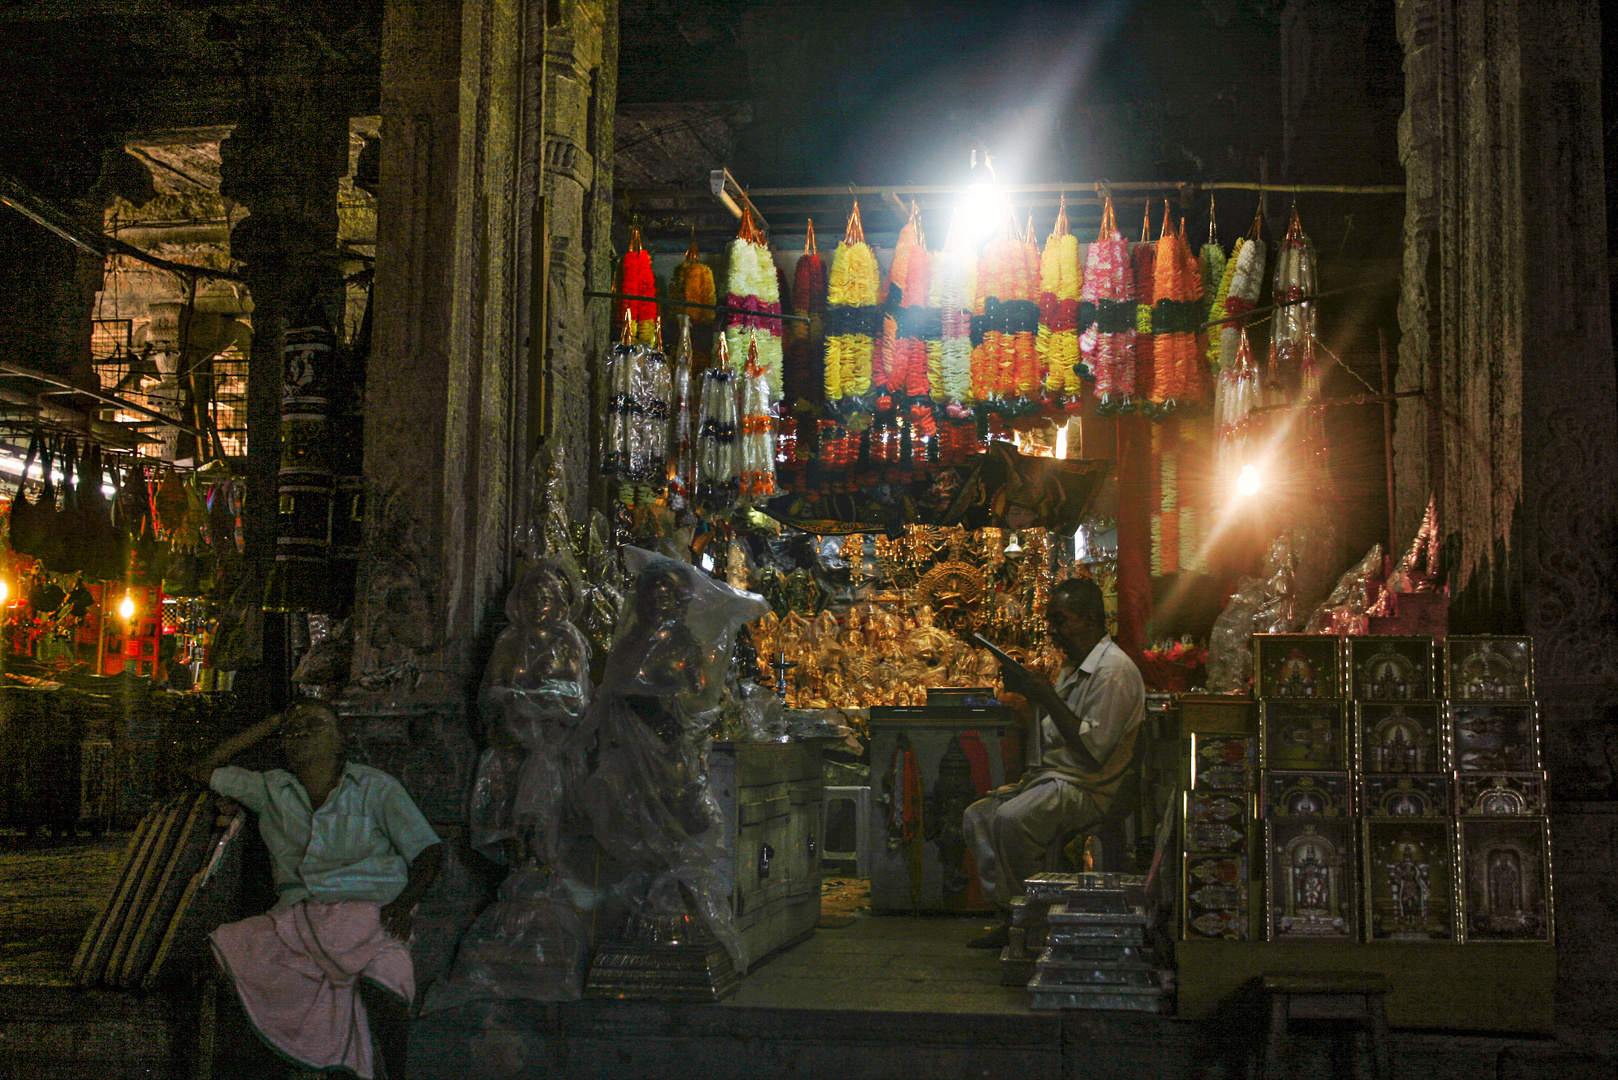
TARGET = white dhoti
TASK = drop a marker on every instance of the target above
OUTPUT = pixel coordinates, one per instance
(1021, 833)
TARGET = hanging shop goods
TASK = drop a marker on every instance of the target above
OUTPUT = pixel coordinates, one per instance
(299, 579)
(1238, 396)
(1217, 299)
(756, 453)
(952, 295)
(1292, 342)
(885, 346)
(691, 284)
(1059, 282)
(1107, 312)
(919, 348)
(1212, 264)
(852, 315)
(1246, 282)
(718, 482)
(1005, 320)
(1144, 258)
(682, 457)
(1176, 316)
(753, 286)
(806, 341)
(639, 316)
(639, 386)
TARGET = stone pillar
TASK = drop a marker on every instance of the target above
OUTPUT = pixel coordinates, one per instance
(1506, 297)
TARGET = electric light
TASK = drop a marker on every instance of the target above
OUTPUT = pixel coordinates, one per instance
(126, 607)
(5, 591)
(1012, 547)
(1248, 482)
(984, 209)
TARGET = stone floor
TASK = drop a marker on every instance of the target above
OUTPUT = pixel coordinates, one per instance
(864, 998)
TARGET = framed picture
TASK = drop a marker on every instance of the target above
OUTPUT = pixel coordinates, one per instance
(1406, 795)
(1318, 795)
(1500, 794)
(1409, 879)
(1311, 873)
(1495, 738)
(1489, 668)
(1297, 665)
(1401, 736)
(1387, 668)
(1216, 897)
(1305, 736)
(1221, 762)
(1506, 890)
(1217, 821)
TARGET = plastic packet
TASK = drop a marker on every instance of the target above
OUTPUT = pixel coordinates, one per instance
(1347, 610)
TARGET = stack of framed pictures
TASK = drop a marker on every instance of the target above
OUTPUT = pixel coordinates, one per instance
(1504, 878)
(1219, 838)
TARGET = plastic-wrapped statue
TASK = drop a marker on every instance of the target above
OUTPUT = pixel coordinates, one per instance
(530, 942)
(647, 799)
(533, 696)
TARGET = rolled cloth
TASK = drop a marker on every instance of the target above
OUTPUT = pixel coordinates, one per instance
(296, 972)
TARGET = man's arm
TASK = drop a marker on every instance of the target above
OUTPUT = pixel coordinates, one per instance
(202, 772)
(398, 915)
(1022, 681)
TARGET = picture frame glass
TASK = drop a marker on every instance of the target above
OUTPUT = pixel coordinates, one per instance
(1507, 889)
(1409, 880)
(1401, 737)
(1494, 738)
(1304, 736)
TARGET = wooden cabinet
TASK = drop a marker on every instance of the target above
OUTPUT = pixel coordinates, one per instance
(770, 794)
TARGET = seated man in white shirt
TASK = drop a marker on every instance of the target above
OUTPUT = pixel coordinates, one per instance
(351, 855)
(1087, 728)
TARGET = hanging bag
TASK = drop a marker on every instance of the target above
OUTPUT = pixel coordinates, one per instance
(100, 543)
(24, 517)
(47, 546)
(67, 553)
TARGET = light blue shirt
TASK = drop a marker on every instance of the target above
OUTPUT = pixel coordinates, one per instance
(358, 846)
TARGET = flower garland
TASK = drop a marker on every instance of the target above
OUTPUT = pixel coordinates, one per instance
(1246, 282)
(636, 279)
(1005, 320)
(692, 282)
(806, 341)
(756, 464)
(1107, 312)
(1176, 318)
(1021, 315)
(885, 347)
(1212, 263)
(952, 295)
(753, 292)
(852, 315)
(920, 327)
(1238, 396)
(1144, 257)
(1216, 310)
(1059, 283)
(717, 480)
(1292, 341)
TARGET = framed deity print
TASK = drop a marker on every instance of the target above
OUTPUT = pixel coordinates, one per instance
(1401, 736)
(1312, 881)
(1406, 795)
(1388, 668)
(1500, 794)
(1297, 795)
(1219, 821)
(1495, 738)
(1409, 879)
(1221, 762)
(1505, 873)
(1215, 904)
(1489, 668)
(1304, 736)
(1297, 666)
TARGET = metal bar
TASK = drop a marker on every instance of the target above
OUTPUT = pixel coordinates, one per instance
(706, 307)
(115, 402)
(1356, 399)
(1013, 189)
(720, 182)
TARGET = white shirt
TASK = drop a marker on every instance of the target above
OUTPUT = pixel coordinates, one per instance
(1108, 696)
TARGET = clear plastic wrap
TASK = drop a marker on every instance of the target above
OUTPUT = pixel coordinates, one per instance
(532, 700)
(1347, 610)
(647, 798)
(528, 944)
(1230, 644)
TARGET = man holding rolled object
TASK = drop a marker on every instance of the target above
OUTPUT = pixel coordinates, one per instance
(1088, 723)
(352, 855)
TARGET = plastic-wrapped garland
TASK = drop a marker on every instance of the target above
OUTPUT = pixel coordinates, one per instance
(623, 411)
(682, 451)
(1059, 282)
(1246, 282)
(717, 478)
(885, 351)
(805, 345)
(756, 466)
(1107, 313)
(952, 295)
(753, 292)
(1238, 395)
(852, 314)
(1216, 308)
(649, 436)
(1292, 341)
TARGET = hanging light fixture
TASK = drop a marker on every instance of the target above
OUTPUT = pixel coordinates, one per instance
(984, 208)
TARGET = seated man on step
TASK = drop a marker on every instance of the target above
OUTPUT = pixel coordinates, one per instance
(352, 855)
(1087, 728)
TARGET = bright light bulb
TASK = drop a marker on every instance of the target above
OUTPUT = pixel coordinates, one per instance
(983, 211)
(1248, 482)
(126, 606)
(5, 592)
(1013, 548)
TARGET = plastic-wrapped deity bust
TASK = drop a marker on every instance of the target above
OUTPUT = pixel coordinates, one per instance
(533, 697)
